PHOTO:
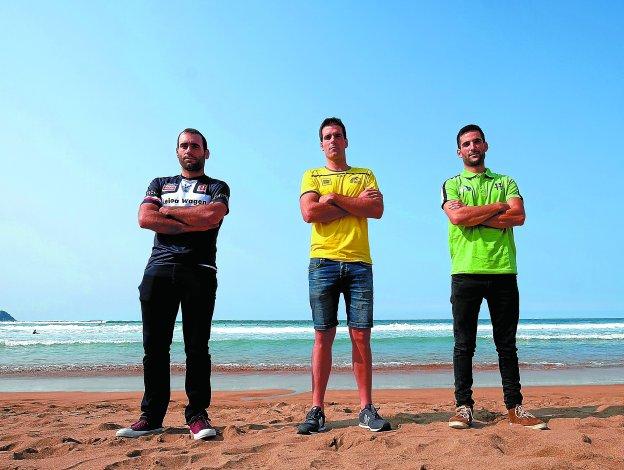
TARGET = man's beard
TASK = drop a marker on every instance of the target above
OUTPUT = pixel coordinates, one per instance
(478, 162)
(193, 166)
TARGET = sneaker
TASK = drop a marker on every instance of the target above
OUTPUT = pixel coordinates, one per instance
(314, 422)
(141, 428)
(370, 419)
(519, 415)
(462, 418)
(201, 428)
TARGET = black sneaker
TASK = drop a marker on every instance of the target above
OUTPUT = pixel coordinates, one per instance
(141, 428)
(370, 419)
(315, 422)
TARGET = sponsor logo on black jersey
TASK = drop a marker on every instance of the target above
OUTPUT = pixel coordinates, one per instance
(169, 188)
(201, 188)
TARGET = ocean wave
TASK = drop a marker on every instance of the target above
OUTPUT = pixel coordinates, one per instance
(277, 339)
(61, 370)
(261, 330)
(51, 342)
(258, 330)
(73, 329)
(572, 326)
(580, 336)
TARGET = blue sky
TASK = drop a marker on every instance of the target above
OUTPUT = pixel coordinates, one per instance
(94, 94)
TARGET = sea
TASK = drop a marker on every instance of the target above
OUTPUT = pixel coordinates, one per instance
(46, 355)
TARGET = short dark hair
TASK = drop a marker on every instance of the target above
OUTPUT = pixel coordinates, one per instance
(332, 121)
(190, 130)
(469, 128)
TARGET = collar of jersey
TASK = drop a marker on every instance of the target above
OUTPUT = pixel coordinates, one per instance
(194, 178)
(470, 174)
(338, 171)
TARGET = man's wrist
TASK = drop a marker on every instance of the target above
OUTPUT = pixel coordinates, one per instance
(330, 199)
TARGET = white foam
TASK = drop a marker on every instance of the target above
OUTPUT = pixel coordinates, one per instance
(580, 336)
(46, 342)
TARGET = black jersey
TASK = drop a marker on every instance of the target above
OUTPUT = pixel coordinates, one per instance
(194, 248)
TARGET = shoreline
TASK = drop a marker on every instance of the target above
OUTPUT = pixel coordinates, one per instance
(299, 381)
(179, 369)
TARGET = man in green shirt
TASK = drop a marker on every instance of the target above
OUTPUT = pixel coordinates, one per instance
(483, 207)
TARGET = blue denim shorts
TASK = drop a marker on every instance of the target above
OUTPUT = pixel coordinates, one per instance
(328, 279)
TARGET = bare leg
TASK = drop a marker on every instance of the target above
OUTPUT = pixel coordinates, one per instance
(321, 364)
(362, 359)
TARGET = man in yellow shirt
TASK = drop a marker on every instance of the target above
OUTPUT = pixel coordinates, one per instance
(337, 200)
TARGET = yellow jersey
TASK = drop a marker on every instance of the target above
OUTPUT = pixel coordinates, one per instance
(344, 239)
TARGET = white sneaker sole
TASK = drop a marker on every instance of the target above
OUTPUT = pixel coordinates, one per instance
(204, 433)
(127, 432)
(365, 426)
(539, 427)
(458, 425)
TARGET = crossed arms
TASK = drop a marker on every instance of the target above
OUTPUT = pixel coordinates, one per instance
(174, 220)
(497, 215)
(315, 208)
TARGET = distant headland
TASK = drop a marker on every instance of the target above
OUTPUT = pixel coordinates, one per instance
(4, 316)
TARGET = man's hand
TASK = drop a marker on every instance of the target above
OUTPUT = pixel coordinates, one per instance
(327, 199)
(453, 205)
(371, 193)
(314, 210)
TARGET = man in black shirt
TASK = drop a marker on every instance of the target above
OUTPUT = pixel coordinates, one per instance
(186, 212)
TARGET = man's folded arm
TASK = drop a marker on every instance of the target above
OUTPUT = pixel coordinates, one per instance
(469, 216)
(312, 210)
(368, 204)
(200, 217)
(512, 217)
(150, 218)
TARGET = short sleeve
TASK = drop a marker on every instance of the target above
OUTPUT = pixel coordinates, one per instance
(371, 181)
(512, 190)
(309, 184)
(153, 193)
(449, 191)
(220, 192)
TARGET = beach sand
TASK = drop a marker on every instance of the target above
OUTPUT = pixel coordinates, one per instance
(63, 430)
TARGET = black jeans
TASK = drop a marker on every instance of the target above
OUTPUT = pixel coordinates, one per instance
(501, 293)
(163, 289)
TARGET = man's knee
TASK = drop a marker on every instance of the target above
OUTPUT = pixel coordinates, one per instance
(196, 349)
(464, 349)
(506, 349)
(360, 335)
(324, 337)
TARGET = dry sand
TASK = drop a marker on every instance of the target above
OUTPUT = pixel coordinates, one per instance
(63, 430)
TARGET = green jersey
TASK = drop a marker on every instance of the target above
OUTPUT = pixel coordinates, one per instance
(481, 249)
